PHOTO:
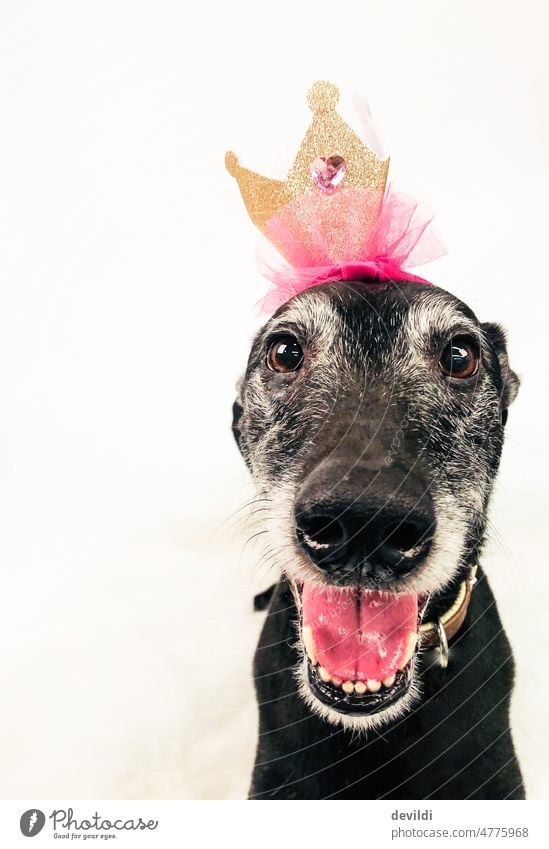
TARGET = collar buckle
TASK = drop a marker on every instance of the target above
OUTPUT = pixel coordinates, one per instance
(437, 634)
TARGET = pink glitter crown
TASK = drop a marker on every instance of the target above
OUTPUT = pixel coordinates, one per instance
(334, 218)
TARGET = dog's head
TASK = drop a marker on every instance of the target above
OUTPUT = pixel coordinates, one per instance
(371, 418)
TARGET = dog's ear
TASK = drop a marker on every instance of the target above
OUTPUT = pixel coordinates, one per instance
(509, 381)
(237, 414)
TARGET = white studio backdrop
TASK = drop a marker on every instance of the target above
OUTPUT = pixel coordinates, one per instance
(128, 286)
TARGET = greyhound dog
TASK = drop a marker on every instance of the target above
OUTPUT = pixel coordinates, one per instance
(371, 417)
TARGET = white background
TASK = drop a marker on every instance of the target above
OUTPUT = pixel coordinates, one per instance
(128, 281)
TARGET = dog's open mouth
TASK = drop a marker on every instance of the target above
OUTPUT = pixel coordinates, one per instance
(360, 646)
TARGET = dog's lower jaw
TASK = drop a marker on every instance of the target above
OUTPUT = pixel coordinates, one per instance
(358, 723)
(366, 674)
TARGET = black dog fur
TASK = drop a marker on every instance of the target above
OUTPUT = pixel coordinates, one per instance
(455, 742)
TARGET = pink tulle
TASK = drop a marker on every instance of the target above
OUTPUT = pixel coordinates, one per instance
(354, 237)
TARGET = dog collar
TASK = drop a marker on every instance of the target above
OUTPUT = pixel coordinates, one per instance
(438, 633)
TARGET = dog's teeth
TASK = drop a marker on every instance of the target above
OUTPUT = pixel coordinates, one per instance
(360, 688)
(348, 687)
(324, 674)
(309, 643)
(388, 682)
(373, 686)
(410, 646)
(336, 681)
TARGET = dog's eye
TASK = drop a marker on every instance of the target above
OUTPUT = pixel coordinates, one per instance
(460, 358)
(285, 354)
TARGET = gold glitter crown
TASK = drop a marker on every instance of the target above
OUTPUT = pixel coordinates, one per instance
(328, 136)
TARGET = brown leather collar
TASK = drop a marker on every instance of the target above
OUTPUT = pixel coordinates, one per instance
(438, 633)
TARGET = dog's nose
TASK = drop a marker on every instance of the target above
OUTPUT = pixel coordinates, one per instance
(382, 540)
(377, 538)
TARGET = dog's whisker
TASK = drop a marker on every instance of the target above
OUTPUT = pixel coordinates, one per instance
(252, 538)
(234, 522)
(242, 507)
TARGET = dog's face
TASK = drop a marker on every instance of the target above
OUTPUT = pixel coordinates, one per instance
(371, 418)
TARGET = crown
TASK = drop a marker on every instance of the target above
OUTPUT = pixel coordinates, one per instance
(328, 142)
(332, 218)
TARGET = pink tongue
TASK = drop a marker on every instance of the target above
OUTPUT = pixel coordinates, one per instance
(359, 634)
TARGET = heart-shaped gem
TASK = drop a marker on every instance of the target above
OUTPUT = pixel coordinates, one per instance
(328, 172)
